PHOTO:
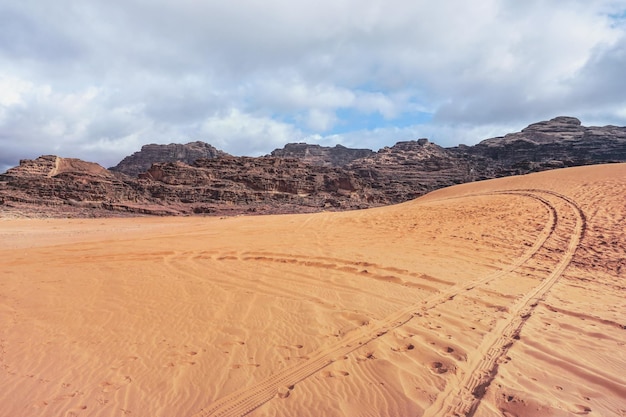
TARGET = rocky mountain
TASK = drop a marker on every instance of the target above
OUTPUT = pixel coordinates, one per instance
(409, 169)
(297, 178)
(141, 161)
(259, 185)
(53, 186)
(336, 156)
(556, 143)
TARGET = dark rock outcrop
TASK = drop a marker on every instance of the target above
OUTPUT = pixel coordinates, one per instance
(410, 169)
(337, 156)
(259, 185)
(557, 143)
(141, 161)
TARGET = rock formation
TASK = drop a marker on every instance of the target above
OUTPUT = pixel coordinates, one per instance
(297, 178)
(556, 143)
(322, 155)
(141, 161)
(254, 185)
(55, 186)
(50, 185)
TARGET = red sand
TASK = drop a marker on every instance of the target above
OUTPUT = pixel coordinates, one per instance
(504, 297)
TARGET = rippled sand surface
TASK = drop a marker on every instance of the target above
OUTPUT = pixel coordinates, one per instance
(504, 297)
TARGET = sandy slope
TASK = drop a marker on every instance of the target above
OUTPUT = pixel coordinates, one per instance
(504, 297)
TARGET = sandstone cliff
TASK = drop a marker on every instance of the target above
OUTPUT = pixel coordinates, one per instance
(297, 178)
(556, 143)
(55, 186)
(258, 185)
(141, 161)
(322, 155)
(409, 169)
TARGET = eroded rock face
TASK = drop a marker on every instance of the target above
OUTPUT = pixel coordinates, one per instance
(298, 178)
(41, 166)
(228, 185)
(141, 161)
(65, 186)
(410, 169)
(556, 143)
(259, 185)
(336, 156)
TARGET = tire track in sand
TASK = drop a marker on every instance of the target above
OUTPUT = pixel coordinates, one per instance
(463, 398)
(247, 399)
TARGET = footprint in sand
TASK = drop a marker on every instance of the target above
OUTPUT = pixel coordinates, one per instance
(580, 409)
(62, 397)
(438, 367)
(284, 392)
(237, 366)
(404, 348)
(234, 343)
(124, 362)
(172, 364)
(365, 357)
(291, 354)
(115, 384)
(334, 374)
(289, 347)
(66, 396)
(75, 412)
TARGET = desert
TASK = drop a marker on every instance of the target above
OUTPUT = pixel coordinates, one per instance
(503, 297)
(317, 208)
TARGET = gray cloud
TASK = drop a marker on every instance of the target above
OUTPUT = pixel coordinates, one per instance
(98, 79)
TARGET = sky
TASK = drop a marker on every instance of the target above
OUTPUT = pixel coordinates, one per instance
(96, 80)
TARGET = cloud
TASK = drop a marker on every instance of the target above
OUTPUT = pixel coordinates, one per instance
(98, 79)
(236, 132)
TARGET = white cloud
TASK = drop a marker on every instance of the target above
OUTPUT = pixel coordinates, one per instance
(235, 132)
(12, 90)
(98, 79)
(320, 121)
(288, 94)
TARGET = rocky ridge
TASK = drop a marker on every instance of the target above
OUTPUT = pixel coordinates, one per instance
(221, 186)
(322, 155)
(297, 178)
(410, 169)
(141, 161)
(258, 185)
(54, 186)
(556, 143)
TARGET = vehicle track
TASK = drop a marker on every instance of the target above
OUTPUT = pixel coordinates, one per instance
(464, 397)
(180, 265)
(373, 270)
(247, 399)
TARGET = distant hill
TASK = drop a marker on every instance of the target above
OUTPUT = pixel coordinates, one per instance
(559, 142)
(197, 178)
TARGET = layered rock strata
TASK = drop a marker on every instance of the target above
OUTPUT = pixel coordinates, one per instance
(297, 178)
(557, 143)
(141, 161)
(336, 156)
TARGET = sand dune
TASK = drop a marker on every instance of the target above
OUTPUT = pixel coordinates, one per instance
(504, 297)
